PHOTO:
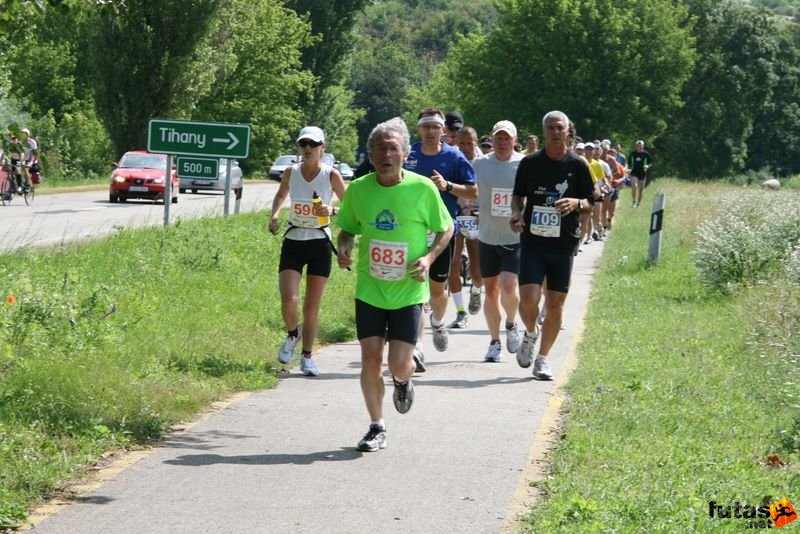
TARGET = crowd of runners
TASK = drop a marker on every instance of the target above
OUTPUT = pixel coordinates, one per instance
(521, 213)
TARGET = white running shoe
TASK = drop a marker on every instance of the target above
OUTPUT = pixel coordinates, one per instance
(419, 358)
(541, 370)
(513, 339)
(474, 303)
(441, 338)
(287, 349)
(525, 353)
(308, 367)
(495, 353)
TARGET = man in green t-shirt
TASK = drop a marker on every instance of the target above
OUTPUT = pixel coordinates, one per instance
(392, 210)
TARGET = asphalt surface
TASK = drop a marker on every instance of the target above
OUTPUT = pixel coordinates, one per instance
(284, 460)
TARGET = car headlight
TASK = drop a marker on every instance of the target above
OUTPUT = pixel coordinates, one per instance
(158, 180)
(118, 179)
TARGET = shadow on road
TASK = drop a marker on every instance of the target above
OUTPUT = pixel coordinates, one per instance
(199, 460)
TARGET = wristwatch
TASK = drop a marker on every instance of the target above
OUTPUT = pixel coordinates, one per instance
(580, 205)
(449, 187)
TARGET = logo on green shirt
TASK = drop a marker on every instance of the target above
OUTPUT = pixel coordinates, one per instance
(385, 221)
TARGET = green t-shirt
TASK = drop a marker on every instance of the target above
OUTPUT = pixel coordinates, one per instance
(393, 223)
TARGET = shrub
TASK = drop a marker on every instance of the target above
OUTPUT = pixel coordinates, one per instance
(793, 266)
(752, 234)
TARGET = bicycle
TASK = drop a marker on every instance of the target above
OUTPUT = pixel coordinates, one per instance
(13, 184)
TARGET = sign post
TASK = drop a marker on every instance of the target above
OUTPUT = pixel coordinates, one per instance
(656, 222)
(192, 138)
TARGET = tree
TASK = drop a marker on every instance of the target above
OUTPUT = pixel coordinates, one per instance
(708, 137)
(393, 58)
(615, 68)
(775, 142)
(326, 56)
(259, 78)
(142, 54)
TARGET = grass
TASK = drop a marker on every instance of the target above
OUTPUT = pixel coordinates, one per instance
(680, 396)
(109, 343)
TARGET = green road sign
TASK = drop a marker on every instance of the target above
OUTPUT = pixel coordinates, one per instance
(190, 138)
(201, 168)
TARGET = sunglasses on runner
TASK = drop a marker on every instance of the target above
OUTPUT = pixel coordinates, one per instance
(308, 142)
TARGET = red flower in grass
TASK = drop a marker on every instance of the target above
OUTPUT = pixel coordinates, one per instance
(11, 299)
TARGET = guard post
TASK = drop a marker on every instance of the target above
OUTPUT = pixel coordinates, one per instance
(656, 223)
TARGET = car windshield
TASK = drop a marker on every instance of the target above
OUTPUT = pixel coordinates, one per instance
(143, 161)
(286, 160)
(344, 167)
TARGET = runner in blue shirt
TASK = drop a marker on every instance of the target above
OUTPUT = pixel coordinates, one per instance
(454, 177)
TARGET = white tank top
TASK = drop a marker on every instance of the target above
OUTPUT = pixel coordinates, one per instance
(305, 225)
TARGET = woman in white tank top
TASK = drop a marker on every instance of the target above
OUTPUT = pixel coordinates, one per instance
(310, 186)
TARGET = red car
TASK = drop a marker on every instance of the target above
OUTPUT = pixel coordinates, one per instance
(140, 174)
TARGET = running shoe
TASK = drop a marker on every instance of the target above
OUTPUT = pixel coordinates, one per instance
(403, 396)
(513, 339)
(373, 440)
(525, 353)
(474, 303)
(541, 370)
(419, 358)
(495, 352)
(287, 349)
(540, 319)
(596, 235)
(588, 241)
(441, 338)
(461, 320)
(308, 367)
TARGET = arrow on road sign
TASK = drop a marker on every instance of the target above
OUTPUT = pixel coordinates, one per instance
(234, 140)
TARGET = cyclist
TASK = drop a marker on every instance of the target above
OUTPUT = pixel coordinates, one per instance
(30, 156)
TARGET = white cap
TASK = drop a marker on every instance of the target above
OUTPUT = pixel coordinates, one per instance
(313, 133)
(588, 145)
(27, 131)
(580, 146)
(505, 126)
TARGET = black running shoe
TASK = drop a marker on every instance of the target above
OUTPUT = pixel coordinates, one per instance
(374, 439)
(403, 396)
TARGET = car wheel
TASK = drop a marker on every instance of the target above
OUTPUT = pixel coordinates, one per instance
(174, 200)
(182, 190)
(113, 198)
(122, 199)
(194, 191)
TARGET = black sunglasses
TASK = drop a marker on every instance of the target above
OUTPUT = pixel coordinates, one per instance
(308, 142)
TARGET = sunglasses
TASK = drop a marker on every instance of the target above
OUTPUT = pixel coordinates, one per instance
(308, 142)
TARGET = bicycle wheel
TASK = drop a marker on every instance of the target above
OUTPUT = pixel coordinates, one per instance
(28, 193)
(6, 191)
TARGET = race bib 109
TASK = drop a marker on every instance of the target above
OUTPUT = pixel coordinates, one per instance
(545, 221)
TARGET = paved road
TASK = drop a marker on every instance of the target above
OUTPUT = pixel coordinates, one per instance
(63, 217)
(284, 460)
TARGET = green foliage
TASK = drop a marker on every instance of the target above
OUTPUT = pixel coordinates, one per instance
(793, 266)
(253, 86)
(685, 410)
(340, 122)
(750, 238)
(776, 128)
(730, 85)
(143, 62)
(392, 57)
(554, 53)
